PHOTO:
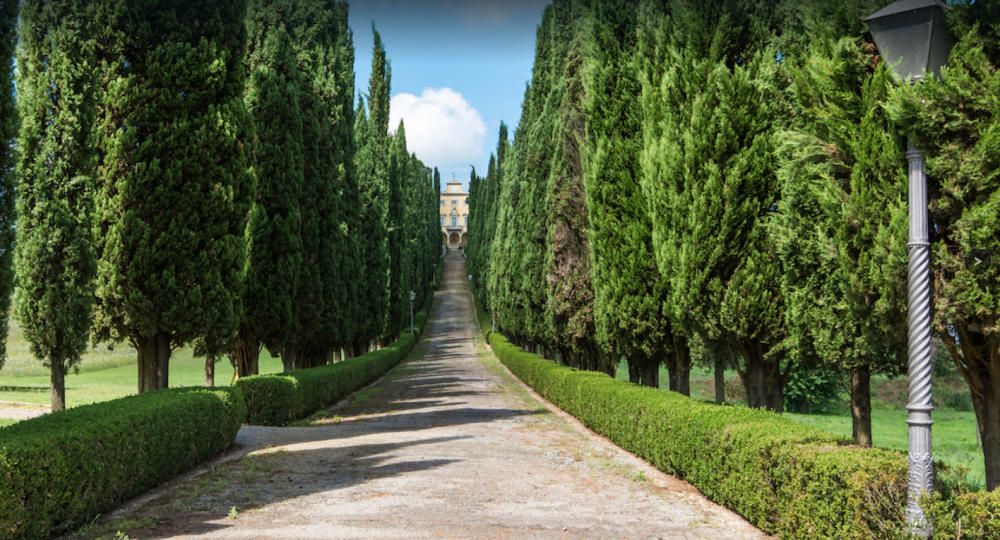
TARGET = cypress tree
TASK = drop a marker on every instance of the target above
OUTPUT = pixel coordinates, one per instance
(55, 253)
(490, 215)
(570, 302)
(8, 130)
(708, 175)
(629, 292)
(318, 31)
(397, 169)
(956, 121)
(174, 186)
(371, 164)
(841, 224)
(273, 246)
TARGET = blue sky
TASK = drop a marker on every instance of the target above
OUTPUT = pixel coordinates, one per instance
(458, 69)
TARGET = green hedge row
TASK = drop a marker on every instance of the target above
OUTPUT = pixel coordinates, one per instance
(276, 400)
(965, 516)
(60, 470)
(784, 477)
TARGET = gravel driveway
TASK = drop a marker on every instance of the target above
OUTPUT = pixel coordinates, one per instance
(447, 445)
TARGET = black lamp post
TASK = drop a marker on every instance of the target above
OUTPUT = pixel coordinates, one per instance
(912, 37)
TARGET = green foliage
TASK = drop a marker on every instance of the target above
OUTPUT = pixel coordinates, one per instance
(57, 160)
(371, 164)
(275, 400)
(8, 130)
(813, 389)
(708, 169)
(273, 243)
(841, 224)
(63, 469)
(174, 185)
(322, 319)
(956, 120)
(788, 479)
(965, 516)
(629, 292)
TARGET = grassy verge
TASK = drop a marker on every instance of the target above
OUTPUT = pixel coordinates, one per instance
(112, 383)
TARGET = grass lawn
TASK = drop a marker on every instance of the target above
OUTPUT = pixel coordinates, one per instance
(93, 385)
(954, 435)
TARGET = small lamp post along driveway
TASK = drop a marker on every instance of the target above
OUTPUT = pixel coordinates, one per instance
(912, 37)
(413, 296)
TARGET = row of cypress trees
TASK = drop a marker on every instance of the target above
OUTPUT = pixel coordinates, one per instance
(726, 181)
(195, 173)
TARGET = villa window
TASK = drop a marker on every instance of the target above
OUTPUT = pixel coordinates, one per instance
(442, 221)
(454, 202)
(454, 221)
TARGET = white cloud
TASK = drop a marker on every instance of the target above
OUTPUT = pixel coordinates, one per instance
(442, 128)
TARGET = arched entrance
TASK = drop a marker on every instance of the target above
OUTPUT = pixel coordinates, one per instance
(453, 240)
(465, 239)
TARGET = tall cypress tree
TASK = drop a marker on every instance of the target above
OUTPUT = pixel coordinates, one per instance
(273, 246)
(344, 218)
(397, 169)
(318, 31)
(708, 174)
(841, 225)
(371, 162)
(8, 130)
(57, 161)
(491, 213)
(570, 302)
(629, 291)
(174, 184)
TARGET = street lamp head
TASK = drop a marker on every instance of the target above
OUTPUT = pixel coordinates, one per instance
(912, 36)
(413, 296)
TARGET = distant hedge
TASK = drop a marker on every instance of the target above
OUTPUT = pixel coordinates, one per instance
(276, 400)
(784, 477)
(60, 470)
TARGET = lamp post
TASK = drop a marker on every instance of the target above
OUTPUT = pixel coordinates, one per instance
(413, 296)
(912, 37)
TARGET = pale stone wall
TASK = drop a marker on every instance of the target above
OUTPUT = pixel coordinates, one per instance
(454, 215)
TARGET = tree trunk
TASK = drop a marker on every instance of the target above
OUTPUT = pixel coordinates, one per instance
(679, 366)
(57, 379)
(651, 373)
(245, 355)
(148, 370)
(163, 358)
(762, 379)
(288, 359)
(209, 372)
(861, 405)
(720, 379)
(634, 370)
(978, 359)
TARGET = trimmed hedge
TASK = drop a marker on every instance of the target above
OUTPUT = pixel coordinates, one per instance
(60, 470)
(965, 516)
(784, 477)
(276, 400)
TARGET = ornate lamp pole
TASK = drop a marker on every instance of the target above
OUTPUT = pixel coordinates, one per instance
(413, 296)
(912, 36)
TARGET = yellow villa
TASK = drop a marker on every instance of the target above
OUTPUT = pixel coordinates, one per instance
(454, 215)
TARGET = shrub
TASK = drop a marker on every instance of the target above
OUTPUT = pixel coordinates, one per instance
(60, 470)
(276, 400)
(786, 478)
(964, 516)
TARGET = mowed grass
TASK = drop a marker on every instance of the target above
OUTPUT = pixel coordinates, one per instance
(954, 433)
(103, 373)
(110, 383)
